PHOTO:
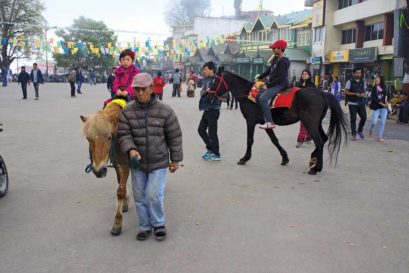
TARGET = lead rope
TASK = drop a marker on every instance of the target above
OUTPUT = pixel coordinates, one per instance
(88, 168)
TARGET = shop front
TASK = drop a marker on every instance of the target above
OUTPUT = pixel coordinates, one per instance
(339, 65)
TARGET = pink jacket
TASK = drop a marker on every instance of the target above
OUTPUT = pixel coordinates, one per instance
(123, 78)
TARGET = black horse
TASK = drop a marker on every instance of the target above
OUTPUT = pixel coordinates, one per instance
(310, 105)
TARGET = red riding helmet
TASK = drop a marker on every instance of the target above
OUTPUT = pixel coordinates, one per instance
(279, 44)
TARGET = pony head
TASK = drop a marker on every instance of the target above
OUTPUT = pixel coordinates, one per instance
(98, 129)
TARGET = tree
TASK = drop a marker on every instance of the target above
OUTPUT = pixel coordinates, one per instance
(182, 12)
(85, 34)
(19, 18)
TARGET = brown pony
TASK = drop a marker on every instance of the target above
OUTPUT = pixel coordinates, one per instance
(100, 129)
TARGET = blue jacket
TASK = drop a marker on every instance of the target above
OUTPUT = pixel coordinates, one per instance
(40, 78)
(208, 101)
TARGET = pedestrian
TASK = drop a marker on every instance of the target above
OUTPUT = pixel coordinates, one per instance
(379, 106)
(4, 76)
(176, 80)
(210, 104)
(304, 82)
(124, 75)
(191, 87)
(24, 79)
(336, 89)
(92, 79)
(36, 78)
(403, 116)
(355, 93)
(72, 79)
(110, 82)
(79, 79)
(158, 84)
(277, 81)
(150, 134)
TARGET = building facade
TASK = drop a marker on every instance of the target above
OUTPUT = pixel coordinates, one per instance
(354, 33)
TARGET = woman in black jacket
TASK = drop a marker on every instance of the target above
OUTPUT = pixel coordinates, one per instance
(305, 81)
(379, 106)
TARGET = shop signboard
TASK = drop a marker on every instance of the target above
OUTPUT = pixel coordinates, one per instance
(258, 61)
(363, 55)
(341, 56)
(242, 60)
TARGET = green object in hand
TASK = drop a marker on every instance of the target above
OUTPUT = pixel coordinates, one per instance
(134, 162)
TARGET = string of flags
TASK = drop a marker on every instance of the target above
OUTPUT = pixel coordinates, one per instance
(148, 49)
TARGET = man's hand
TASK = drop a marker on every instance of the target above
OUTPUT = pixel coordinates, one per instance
(134, 158)
(133, 153)
(173, 166)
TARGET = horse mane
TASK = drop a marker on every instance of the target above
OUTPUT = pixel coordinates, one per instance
(97, 124)
(246, 81)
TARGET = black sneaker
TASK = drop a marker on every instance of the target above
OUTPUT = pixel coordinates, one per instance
(143, 235)
(160, 233)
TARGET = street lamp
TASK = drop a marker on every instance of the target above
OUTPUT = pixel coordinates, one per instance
(46, 28)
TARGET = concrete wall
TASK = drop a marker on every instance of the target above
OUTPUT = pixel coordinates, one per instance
(365, 9)
(211, 26)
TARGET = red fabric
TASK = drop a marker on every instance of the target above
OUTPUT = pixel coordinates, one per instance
(279, 44)
(285, 100)
(158, 85)
(303, 134)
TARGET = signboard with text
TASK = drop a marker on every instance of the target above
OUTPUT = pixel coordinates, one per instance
(363, 55)
(341, 56)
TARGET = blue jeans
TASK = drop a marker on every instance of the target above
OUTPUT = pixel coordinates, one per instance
(79, 83)
(148, 193)
(380, 114)
(263, 99)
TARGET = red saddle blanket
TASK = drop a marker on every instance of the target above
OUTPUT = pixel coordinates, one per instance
(285, 100)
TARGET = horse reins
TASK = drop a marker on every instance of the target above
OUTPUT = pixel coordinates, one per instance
(221, 81)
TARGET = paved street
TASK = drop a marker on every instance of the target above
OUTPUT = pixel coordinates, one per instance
(221, 217)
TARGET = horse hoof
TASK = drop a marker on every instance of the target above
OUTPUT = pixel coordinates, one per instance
(124, 208)
(285, 162)
(116, 231)
(241, 162)
(312, 171)
(312, 162)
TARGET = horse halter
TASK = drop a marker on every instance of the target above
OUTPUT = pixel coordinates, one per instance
(221, 81)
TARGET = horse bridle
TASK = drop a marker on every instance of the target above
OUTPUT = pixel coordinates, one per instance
(221, 81)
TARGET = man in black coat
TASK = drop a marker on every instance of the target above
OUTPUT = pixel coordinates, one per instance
(23, 79)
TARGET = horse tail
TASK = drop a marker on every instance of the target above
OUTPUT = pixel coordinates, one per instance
(337, 127)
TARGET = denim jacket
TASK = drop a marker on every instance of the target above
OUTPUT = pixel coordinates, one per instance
(208, 101)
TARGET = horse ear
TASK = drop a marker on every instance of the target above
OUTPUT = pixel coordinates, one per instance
(83, 118)
(220, 69)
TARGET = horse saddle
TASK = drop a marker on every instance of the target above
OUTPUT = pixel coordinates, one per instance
(285, 98)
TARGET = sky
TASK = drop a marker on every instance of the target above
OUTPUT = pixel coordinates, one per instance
(145, 16)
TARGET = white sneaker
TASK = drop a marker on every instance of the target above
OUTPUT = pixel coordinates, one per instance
(267, 126)
(299, 145)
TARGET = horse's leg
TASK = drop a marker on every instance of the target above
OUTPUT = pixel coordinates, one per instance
(274, 139)
(122, 173)
(251, 124)
(316, 161)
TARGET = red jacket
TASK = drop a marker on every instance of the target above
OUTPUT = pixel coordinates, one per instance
(158, 85)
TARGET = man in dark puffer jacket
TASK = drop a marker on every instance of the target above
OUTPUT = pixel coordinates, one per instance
(149, 133)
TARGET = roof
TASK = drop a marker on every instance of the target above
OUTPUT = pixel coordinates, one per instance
(293, 17)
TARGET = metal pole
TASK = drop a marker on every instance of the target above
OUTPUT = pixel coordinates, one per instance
(46, 54)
